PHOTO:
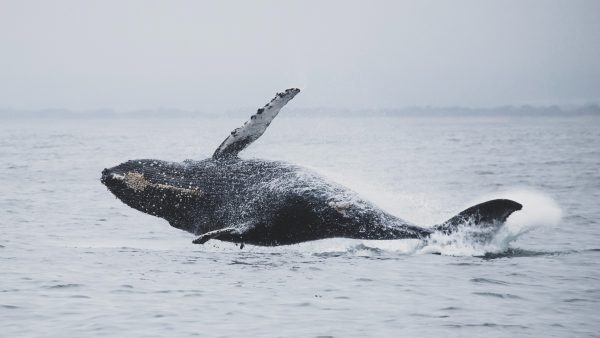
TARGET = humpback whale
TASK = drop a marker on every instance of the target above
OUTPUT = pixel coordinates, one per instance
(269, 203)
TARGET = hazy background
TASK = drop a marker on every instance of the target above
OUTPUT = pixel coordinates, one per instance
(76, 262)
(217, 55)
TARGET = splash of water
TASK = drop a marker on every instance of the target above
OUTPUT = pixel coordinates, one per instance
(539, 210)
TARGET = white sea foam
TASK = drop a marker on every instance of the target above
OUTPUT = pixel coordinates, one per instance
(539, 210)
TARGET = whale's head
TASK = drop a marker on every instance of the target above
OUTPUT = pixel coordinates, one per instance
(155, 187)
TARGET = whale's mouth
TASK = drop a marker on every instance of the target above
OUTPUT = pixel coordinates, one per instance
(107, 174)
(115, 180)
(131, 179)
(111, 177)
(117, 176)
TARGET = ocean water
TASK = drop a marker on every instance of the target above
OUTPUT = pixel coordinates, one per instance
(75, 261)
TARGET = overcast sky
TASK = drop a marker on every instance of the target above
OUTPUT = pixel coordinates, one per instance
(201, 55)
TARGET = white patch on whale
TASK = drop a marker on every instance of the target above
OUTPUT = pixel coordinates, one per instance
(138, 182)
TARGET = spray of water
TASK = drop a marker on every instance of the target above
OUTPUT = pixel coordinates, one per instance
(539, 210)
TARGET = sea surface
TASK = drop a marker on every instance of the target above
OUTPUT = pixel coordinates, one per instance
(76, 262)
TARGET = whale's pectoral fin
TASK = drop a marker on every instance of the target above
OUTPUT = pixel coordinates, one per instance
(241, 137)
(205, 237)
(487, 214)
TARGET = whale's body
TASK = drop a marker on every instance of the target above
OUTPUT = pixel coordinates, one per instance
(267, 202)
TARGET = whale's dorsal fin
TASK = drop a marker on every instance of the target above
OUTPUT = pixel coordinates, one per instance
(241, 137)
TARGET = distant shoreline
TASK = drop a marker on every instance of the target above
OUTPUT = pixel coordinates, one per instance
(525, 110)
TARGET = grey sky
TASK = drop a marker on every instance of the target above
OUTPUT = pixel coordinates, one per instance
(365, 54)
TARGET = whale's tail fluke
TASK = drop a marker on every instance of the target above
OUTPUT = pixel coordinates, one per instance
(490, 215)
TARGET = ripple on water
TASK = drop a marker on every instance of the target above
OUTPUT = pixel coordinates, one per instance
(450, 308)
(197, 294)
(515, 252)
(464, 264)
(7, 306)
(497, 295)
(497, 325)
(64, 286)
(487, 325)
(576, 300)
(427, 315)
(488, 281)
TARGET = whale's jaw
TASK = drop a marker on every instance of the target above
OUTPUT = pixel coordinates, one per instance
(156, 188)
